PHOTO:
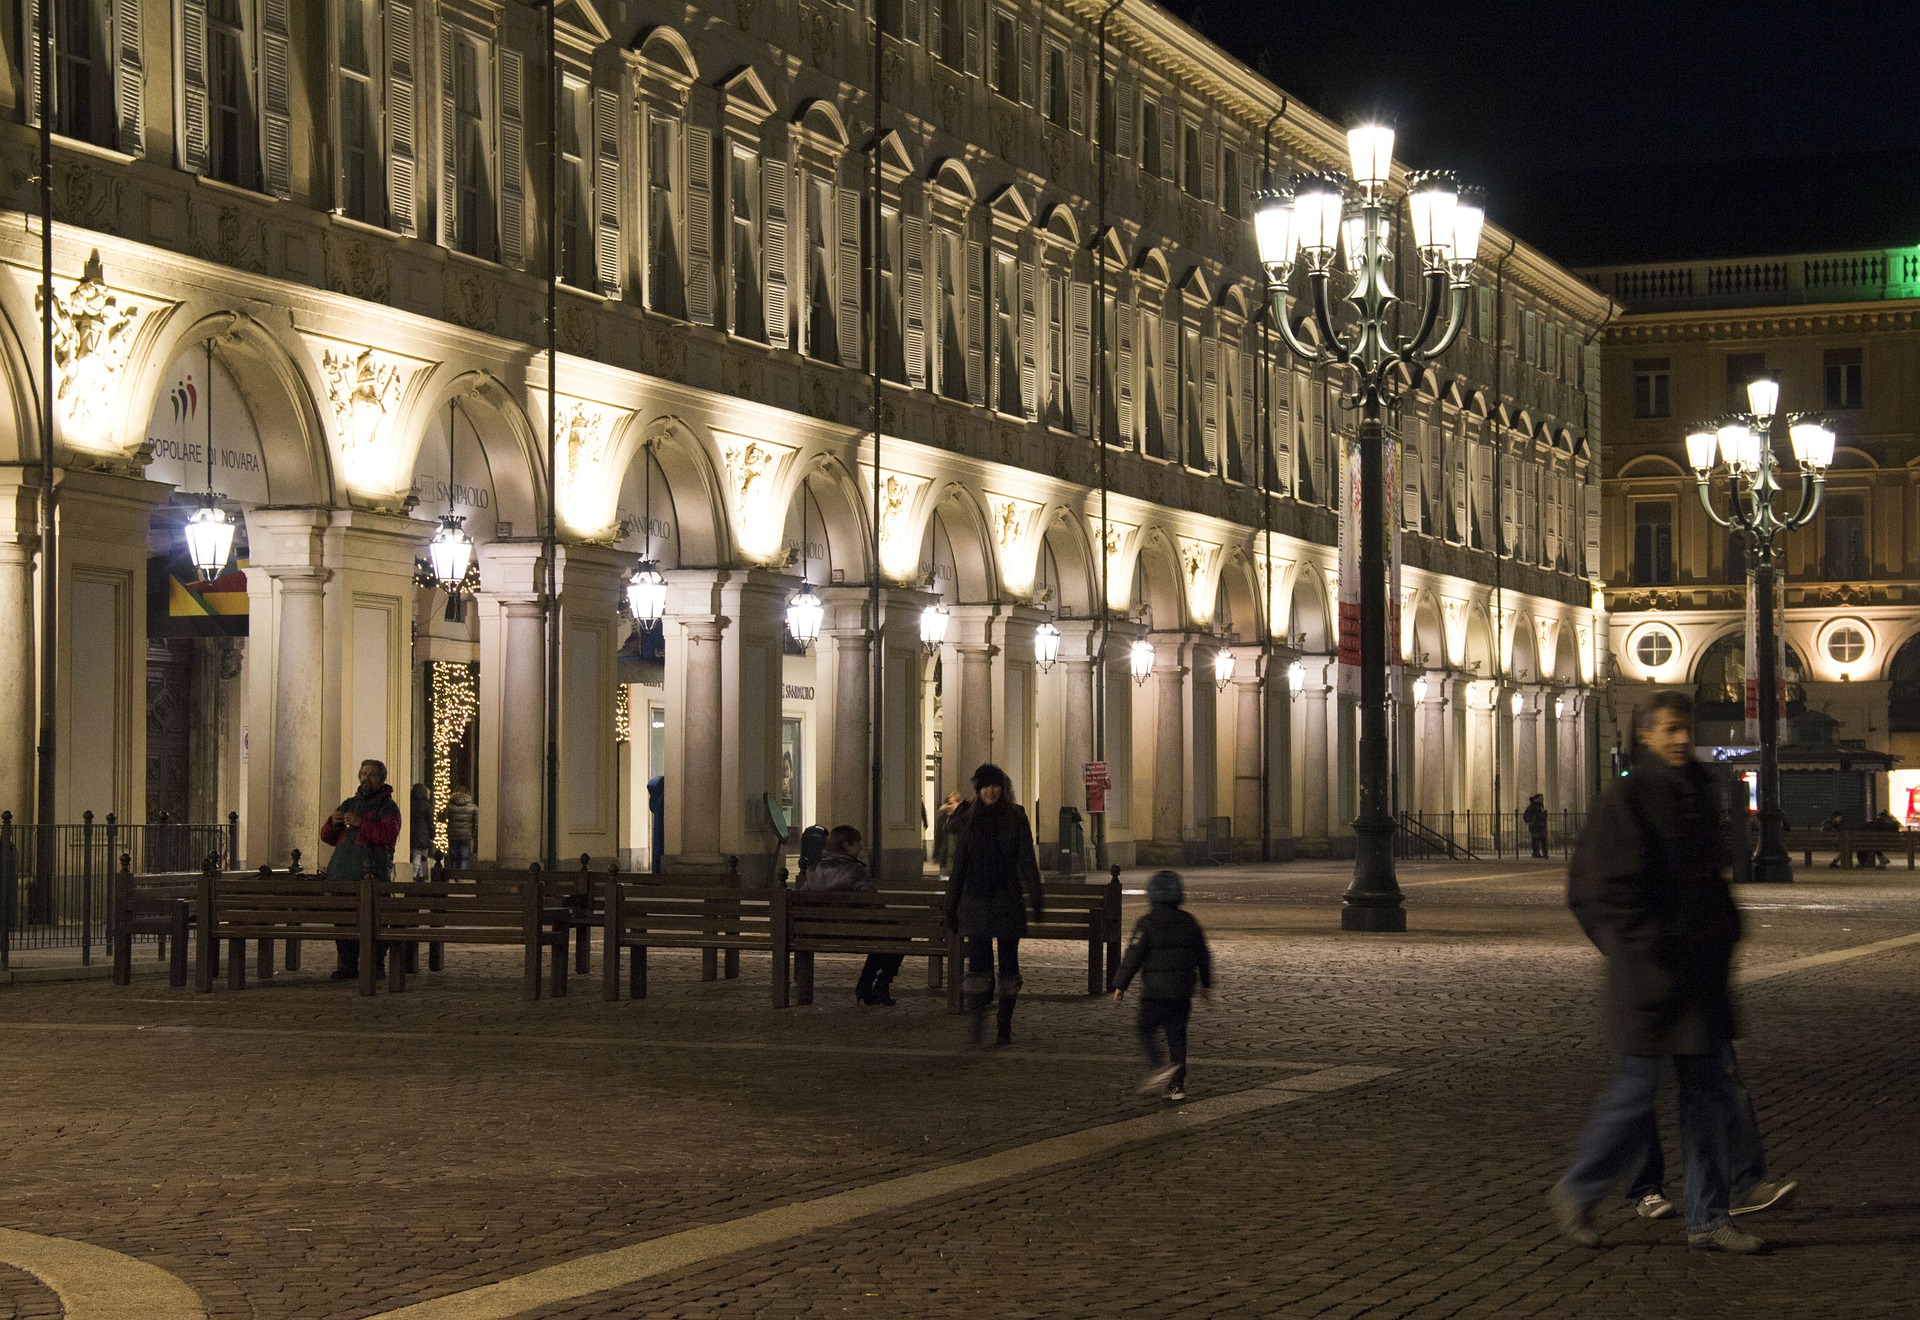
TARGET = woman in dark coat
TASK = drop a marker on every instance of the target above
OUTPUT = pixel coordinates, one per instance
(994, 878)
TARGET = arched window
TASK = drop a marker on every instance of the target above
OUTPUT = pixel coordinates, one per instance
(1903, 702)
(1721, 677)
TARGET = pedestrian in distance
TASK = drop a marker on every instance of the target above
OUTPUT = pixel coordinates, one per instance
(943, 829)
(840, 870)
(1834, 824)
(462, 819)
(1536, 818)
(420, 830)
(995, 877)
(1168, 951)
(1648, 887)
(362, 831)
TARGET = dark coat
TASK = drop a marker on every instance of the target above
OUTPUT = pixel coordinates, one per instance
(836, 871)
(1648, 887)
(995, 874)
(370, 843)
(1168, 950)
(420, 819)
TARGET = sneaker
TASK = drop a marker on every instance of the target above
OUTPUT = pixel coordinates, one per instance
(1653, 1206)
(1765, 1196)
(1177, 1092)
(1573, 1218)
(1157, 1080)
(1729, 1239)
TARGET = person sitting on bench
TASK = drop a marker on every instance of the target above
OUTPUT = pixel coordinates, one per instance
(841, 870)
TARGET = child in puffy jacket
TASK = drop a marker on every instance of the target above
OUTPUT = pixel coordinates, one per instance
(1169, 953)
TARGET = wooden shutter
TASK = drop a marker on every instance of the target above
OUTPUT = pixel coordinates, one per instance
(1028, 330)
(774, 181)
(403, 215)
(1025, 37)
(606, 189)
(30, 58)
(1123, 144)
(974, 51)
(1411, 467)
(1509, 507)
(1122, 321)
(1210, 400)
(1209, 164)
(847, 279)
(513, 181)
(911, 11)
(700, 291)
(1080, 353)
(914, 313)
(977, 328)
(1279, 427)
(193, 85)
(1169, 161)
(1170, 383)
(449, 152)
(1077, 93)
(1591, 568)
(1248, 428)
(276, 98)
(129, 76)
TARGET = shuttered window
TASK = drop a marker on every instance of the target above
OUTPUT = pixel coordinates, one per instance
(747, 314)
(574, 205)
(822, 336)
(361, 180)
(666, 279)
(893, 358)
(1006, 343)
(951, 309)
(232, 110)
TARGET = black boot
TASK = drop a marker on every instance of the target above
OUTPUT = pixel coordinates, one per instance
(1009, 995)
(976, 994)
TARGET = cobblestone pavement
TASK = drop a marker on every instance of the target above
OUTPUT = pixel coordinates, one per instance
(294, 1150)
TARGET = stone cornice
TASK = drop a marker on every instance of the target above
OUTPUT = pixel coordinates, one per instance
(1765, 322)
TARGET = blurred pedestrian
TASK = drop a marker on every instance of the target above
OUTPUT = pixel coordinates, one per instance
(1648, 888)
(996, 874)
(943, 829)
(462, 819)
(420, 829)
(1536, 818)
(1169, 951)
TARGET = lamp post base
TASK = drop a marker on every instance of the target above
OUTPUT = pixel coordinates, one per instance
(1372, 917)
(1771, 869)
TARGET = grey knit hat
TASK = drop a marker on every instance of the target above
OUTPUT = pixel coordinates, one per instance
(1166, 887)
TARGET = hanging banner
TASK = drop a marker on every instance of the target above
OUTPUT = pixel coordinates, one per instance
(1348, 676)
(1751, 687)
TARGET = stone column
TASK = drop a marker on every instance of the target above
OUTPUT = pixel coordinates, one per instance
(1526, 749)
(286, 580)
(1014, 717)
(901, 851)
(512, 703)
(1459, 688)
(367, 611)
(1280, 762)
(1316, 701)
(752, 648)
(1250, 676)
(966, 669)
(1480, 744)
(695, 723)
(1066, 729)
(843, 681)
(1431, 754)
(1122, 827)
(1172, 811)
(19, 661)
(591, 580)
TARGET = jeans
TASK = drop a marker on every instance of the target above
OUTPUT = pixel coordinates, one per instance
(1615, 1137)
(1747, 1159)
(1538, 840)
(877, 973)
(1169, 1015)
(980, 956)
(459, 854)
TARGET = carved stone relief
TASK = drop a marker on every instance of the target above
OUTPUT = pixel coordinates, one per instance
(362, 386)
(92, 333)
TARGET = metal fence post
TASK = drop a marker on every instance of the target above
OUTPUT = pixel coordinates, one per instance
(9, 887)
(86, 889)
(233, 840)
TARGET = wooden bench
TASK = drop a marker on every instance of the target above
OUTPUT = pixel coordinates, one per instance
(642, 914)
(158, 904)
(904, 917)
(267, 907)
(1850, 842)
(1085, 912)
(499, 908)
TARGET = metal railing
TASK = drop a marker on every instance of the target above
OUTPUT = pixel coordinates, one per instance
(1481, 834)
(54, 879)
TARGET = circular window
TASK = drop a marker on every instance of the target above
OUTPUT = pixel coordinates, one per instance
(1846, 644)
(1654, 648)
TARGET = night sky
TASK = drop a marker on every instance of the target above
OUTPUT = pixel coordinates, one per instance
(1623, 130)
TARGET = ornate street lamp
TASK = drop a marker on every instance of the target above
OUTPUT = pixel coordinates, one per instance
(646, 589)
(210, 529)
(1140, 660)
(1296, 678)
(1742, 444)
(933, 627)
(450, 550)
(1046, 646)
(1223, 663)
(806, 610)
(1325, 214)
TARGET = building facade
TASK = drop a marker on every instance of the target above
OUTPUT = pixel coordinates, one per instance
(311, 240)
(1841, 332)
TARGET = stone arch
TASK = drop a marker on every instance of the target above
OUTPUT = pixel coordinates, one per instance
(513, 450)
(20, 406)
(279, 386)
(1156, 582)
(1429, 634)
(1651, 465)
(1310, 620)
(1477, 656)
(958, 517)
(1903, 673)
(836, 520)
(952, 174)
(1069, 543)
(1060, 221)
(692, 494)
(820, 117)
(1153, 263)
(1523, 657)
(1566, 656)
(1237, 611)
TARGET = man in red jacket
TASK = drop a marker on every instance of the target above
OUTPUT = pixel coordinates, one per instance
(363, 832)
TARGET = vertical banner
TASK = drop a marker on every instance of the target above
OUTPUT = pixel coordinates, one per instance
(1348, 670)
(1349, 614)
(1751, 687)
